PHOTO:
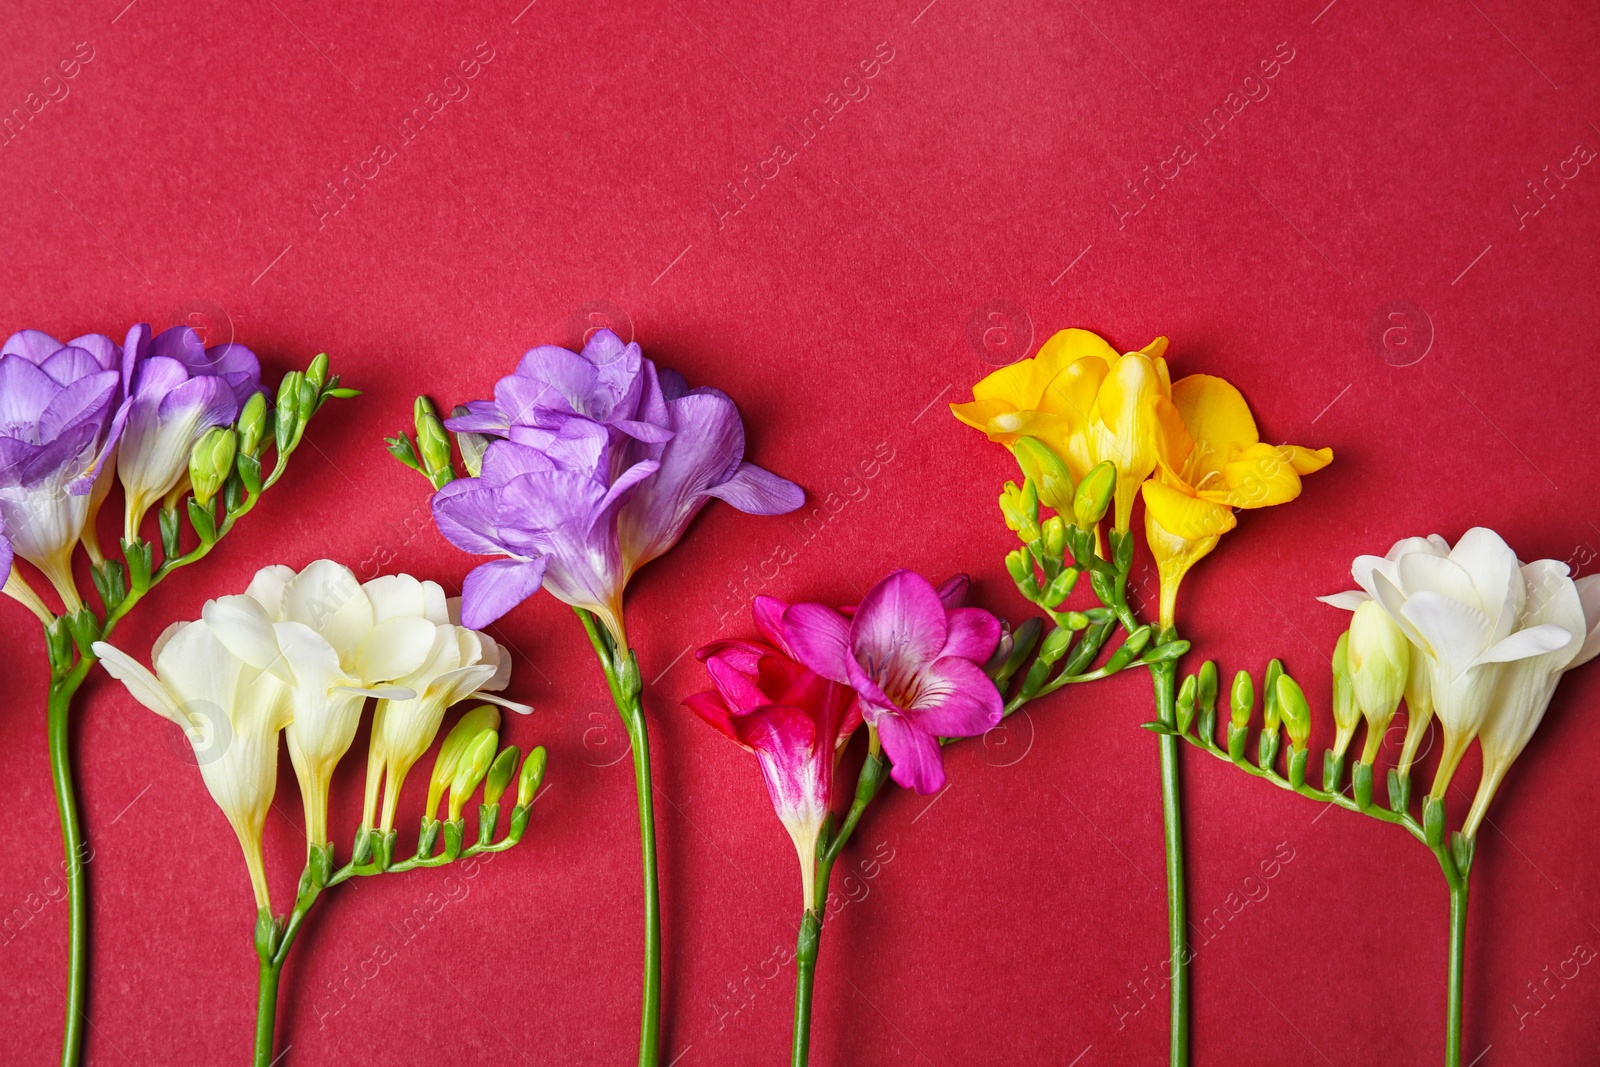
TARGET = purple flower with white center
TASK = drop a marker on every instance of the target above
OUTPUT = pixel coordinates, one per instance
(599, 466)
(915, 658)
(181, 389)
(62, 408)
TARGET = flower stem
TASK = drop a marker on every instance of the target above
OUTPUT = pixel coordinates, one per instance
(1164, 680)
(621, 668)
(1455, 876)
(58, 712)
(267, 1010)
(805, 959)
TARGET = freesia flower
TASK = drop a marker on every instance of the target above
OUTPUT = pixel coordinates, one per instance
(335, 642)
(1212, 460)
(598, 466)
(231, 712)
(795, 721)
(462, 664)
(1527, 685)
(180, 390)
(62, 409)
(1466, 612)
(1087, 402)
(915, 662)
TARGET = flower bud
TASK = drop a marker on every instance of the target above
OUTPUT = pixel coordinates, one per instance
(485, 718)
(1184, 708)
(287, 416)
(471, 769)
(1271, 711)
(532, 774)
(500, 774)
(253, 424)
(1020, 507)
(1094, 494)
(1055, 537)
(1295, 711)
(1243, 699)
(211, 462)
(1345, 713)
(433, 444)
(1380, 664)
(1047, 471)
(472, 445)
(317, 372)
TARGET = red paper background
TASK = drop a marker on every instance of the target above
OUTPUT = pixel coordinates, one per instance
(1012, 919)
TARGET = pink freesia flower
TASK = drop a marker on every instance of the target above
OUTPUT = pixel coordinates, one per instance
(793, 720)
(915, 659)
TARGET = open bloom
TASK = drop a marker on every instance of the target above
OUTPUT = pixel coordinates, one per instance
(1527, 685)
(231, 712)
(1212, 460)
(599, 463)
(795, 721)
(462, 664)
(915, 663)
(1087, 402)
(180, 390)
(61, 411)
(1465, 611)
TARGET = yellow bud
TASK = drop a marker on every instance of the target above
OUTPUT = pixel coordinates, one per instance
(1094, 494)
(1047, 471)
(211, 462)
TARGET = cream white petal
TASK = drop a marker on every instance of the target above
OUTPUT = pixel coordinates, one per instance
(245, 629)
(266, 588)
(1418, 573)
(1348, 600)
(1534, 641)
(1589, 596)
(394, 648)
(1452, 632)
(395, 595)
(1495, 575)
(144, 686)
(326, 597)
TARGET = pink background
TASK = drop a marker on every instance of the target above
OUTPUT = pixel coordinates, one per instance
(1356, 247)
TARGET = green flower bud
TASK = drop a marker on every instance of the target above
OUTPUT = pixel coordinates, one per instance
(1020, 508)
(1243, 699)
(1185, 703)
(211, 462)
(252, 424)
(485, 718)
(1379, 661)
(500, 774)
(1047, 471)
(532, 774)
(1295, 711)
(433, 444)
(287, 418)
(1271, 711)
(473, 765)
(1207, 696)
(1054, 530)
(317, 373)
(1094, 493)
(1345, 713)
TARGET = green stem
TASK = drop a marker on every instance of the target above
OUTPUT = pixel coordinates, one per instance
(1164, 679)
(650, 1018)
(57, 715)
(1456, 879)
(805, 959)
(267, 1010)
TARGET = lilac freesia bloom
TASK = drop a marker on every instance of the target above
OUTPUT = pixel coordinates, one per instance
(181, 389)
(62, 408)
(915, 658)
(598, 462)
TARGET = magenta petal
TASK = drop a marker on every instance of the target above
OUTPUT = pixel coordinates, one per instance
(899, 627)
(494, 588)
(956, 699)
(711, 707)
(755, 491)
(953, 590)
(736, 684)
(974, 633)
(820, 638)
(917, 763)
(768, 613)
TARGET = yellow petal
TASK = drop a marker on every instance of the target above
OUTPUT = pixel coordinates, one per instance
(1155, 349)
(1257, 477)
(1307, 460)
(1183, 516)
(981, 413)
(1023, 383)
(1219, 420)
(1173, 442)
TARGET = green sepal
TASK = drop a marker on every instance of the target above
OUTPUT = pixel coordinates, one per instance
(1399, 791)
(58, 645)
(403, 450)
(341, 392)
(1059, 589)
(1166, 652)
(519, 822)
(1298, 758)
(167, 519)
(1158, 727)
(84, 626)
(1433, 821)
(488, 822)
(205, 525)
(1361, 780)
(140, 558)
(109, 578)
(1131, 646)
(386, 842)
(455, 831)
(286, 414)
(628, 678)
(1238, 738)
(1333, 772)
(1267, 749)
(1461, 850)
(266, 935)
(427, 836)
(249, 468)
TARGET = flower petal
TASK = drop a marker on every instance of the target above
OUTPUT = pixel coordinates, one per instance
(820, 637)
(1349, 600)
(494, 588)
(898, 629)
(756, 491)
(144, 686)
(974, 633)
(394, 648)
(915, 757)
(956, 699)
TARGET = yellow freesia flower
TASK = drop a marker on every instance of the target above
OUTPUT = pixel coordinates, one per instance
(1212, 460)
(1087, 402)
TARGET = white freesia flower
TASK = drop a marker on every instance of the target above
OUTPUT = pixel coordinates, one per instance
(231, 712)
(462, 664)
(1463, 610)
(1527, 685)
(336, 642)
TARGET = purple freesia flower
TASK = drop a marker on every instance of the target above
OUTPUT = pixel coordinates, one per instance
(181, 389)
(598, 466)
(62, 408)
(915, 660)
